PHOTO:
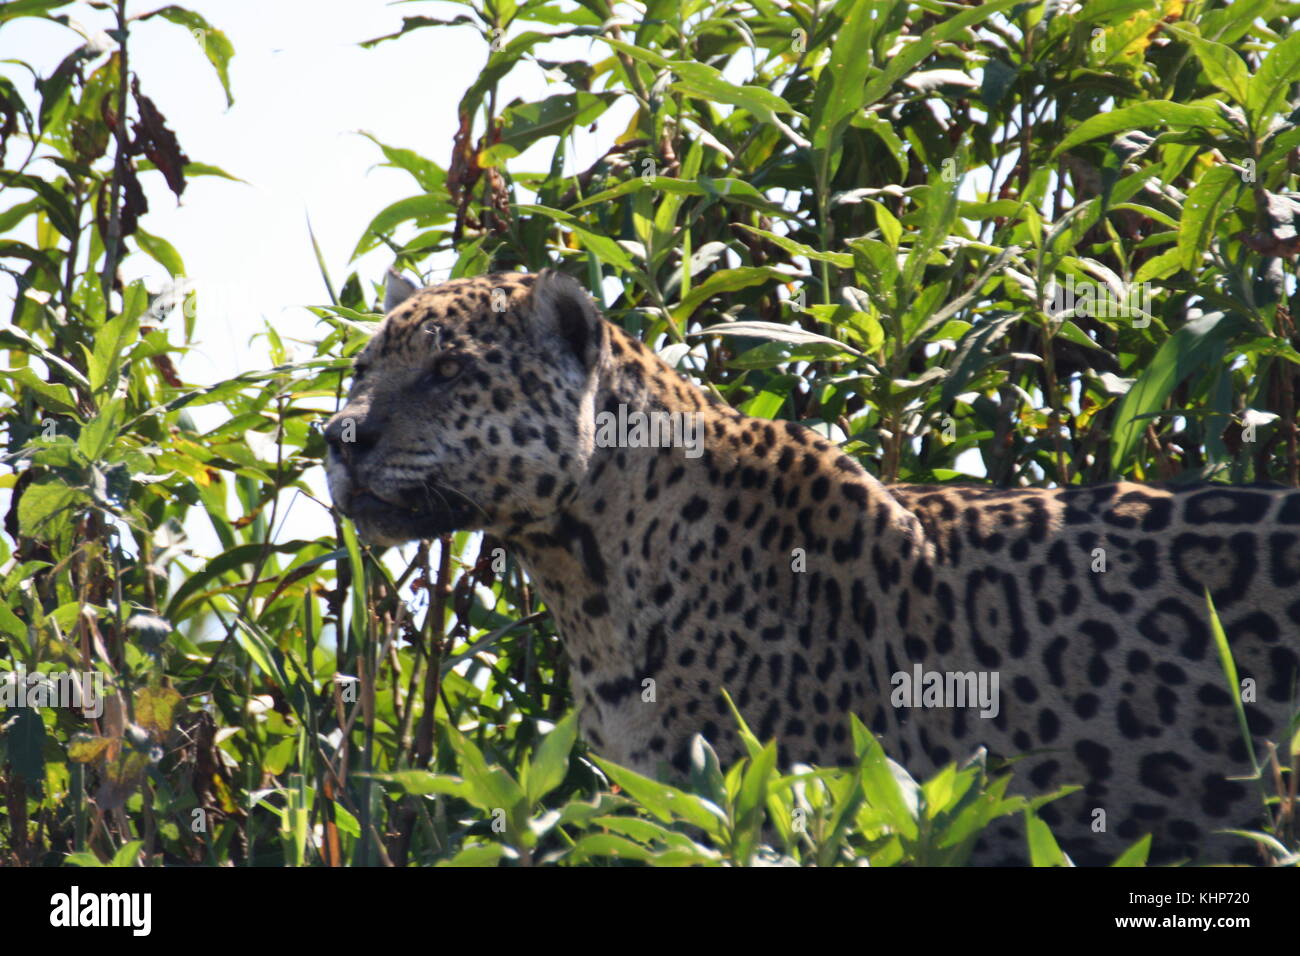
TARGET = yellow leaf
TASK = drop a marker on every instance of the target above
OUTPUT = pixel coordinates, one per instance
(633, 130)
(155, 709)
(83, 748)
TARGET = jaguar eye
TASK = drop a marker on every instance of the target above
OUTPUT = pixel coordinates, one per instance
(447, 368)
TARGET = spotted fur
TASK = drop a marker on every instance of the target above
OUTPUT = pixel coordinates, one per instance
(473, 407)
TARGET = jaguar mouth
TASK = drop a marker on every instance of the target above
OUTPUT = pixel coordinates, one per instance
(426, 512)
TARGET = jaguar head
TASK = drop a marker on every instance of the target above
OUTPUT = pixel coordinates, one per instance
(472, 407)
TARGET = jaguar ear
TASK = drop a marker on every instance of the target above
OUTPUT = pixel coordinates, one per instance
(397, 289)
(564, 313)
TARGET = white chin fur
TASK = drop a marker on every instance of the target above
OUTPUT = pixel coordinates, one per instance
(336, 479)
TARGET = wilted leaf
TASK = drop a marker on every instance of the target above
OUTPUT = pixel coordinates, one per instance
(155, 710)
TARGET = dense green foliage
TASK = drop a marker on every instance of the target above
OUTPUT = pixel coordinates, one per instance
(856, 215)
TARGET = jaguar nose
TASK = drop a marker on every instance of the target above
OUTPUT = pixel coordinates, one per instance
(352, 436)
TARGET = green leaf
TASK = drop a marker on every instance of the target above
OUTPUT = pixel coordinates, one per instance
(707, 82)
(926, 316)
(12, 626)
(41, 502)
(754, 784)
(771, 354)
(976, 351)
(1155, 115)
(999, 77)
(472, 260)
(1223, 66)
(752, 744)
(1270, 86)
(482, 854)
(752, 799)
(16, 213)
(768, 402)
(883, 131)
(85, 858)
(1197, 345)
(53, 397)
(23, 341)
(939, 213)
(706, 772)
(877, 266)
(499, 63)
(723, 188)
(890, 227)
(161, 251)
(526, 123)
(551, 762)
(54, 203)
(1043, 849)
(98, 435)
(25, 744)
(1136, 855)
(638, 53)
(264, 653)
(608, 845)
(1231, 22)
(420, 783)
(776, 333)
(847, 801)
(203, 169)
(1229, 667)
(360, 613)
(418, 23)
(215, 44)
(726, 280)
(650, 833)
(888, 789)
(29, 8)
(424, 211)
(666, 802)
(278, 756)
(914, 53)
(110, 340)
(841, 90)
(126, 854)
(488, 788)
(229, 560)
(1159, 267)
(604, 247)
(1213, 193)
(428, 175)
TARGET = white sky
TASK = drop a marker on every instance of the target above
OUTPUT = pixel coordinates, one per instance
(303, 87)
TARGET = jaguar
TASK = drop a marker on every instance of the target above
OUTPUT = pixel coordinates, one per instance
(768, 563)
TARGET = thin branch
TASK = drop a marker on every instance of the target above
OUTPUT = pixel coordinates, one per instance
(113, 241)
